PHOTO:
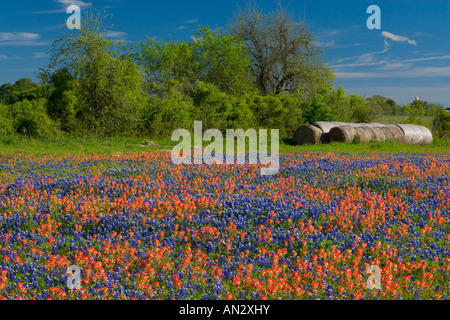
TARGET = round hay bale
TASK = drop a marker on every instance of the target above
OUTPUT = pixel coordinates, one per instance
(398, 134)
(388, 134)
(427, 135)
(307, 134)
(378, 135)
(413, 135)
(342, 134)
(365, 134)
(327, 126)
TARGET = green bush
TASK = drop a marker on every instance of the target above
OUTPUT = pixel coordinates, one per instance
(441, 125)
(6, 123)
(316, 109)
(30, 118)
(164, 115)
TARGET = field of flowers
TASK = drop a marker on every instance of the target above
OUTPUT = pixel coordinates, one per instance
(139, 227)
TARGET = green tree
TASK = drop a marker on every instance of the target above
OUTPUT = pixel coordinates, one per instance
(362, 112)
(384, 106)
(6, 123)
(285, 57)
(164, 115)
(339, 104)
(30, 118)
(316, 109)
(63, 99)
(441, 124)
(109, 99)
(415, 112)
(22, 89)
(212, 58)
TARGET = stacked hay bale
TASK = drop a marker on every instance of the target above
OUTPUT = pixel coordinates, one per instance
(378, 134)
(342, 134)
(326, 127)
(366, 132)
(397, 133)
(307, 134)
(415, 134)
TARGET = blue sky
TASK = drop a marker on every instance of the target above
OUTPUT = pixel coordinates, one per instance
(408, 57)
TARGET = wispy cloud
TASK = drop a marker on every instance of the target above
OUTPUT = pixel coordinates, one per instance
(115, 34)
(63, 5)
(422, 72)
(39, 55)
(20, 39)
(428, 59)
(396, 38)
(18, 36)
(182, 27)
(190, 21)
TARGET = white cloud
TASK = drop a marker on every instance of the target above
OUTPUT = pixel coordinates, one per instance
(39, 55)
(419, 72)
(63, 5)
(191, 21)
(428, 59)
(18, 36)
(3, 57)
(22, 44)
(115, 34)
(398, 38)
(182, 27)
(67, 3)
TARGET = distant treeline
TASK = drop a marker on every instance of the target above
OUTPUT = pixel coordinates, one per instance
(266, 71)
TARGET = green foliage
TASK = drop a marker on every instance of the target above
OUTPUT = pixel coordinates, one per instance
(212, 58)
(104, 96)
(63, 99)
(164, 115)
(212, 106)
(23, 89)
(383, 105)
(361, 111)
(6, 124)
(285, 57)
(441, 125)
(30, 118)
(340, 105)
(316, 109)
(415, 111)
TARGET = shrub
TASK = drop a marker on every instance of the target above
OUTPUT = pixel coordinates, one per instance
(30, 118)
(6, 124)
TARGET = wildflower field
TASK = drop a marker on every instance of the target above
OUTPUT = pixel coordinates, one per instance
(139, 227)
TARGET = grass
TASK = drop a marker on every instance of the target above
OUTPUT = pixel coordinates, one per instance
(62, 145)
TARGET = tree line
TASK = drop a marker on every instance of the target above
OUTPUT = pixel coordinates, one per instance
(265, 71)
